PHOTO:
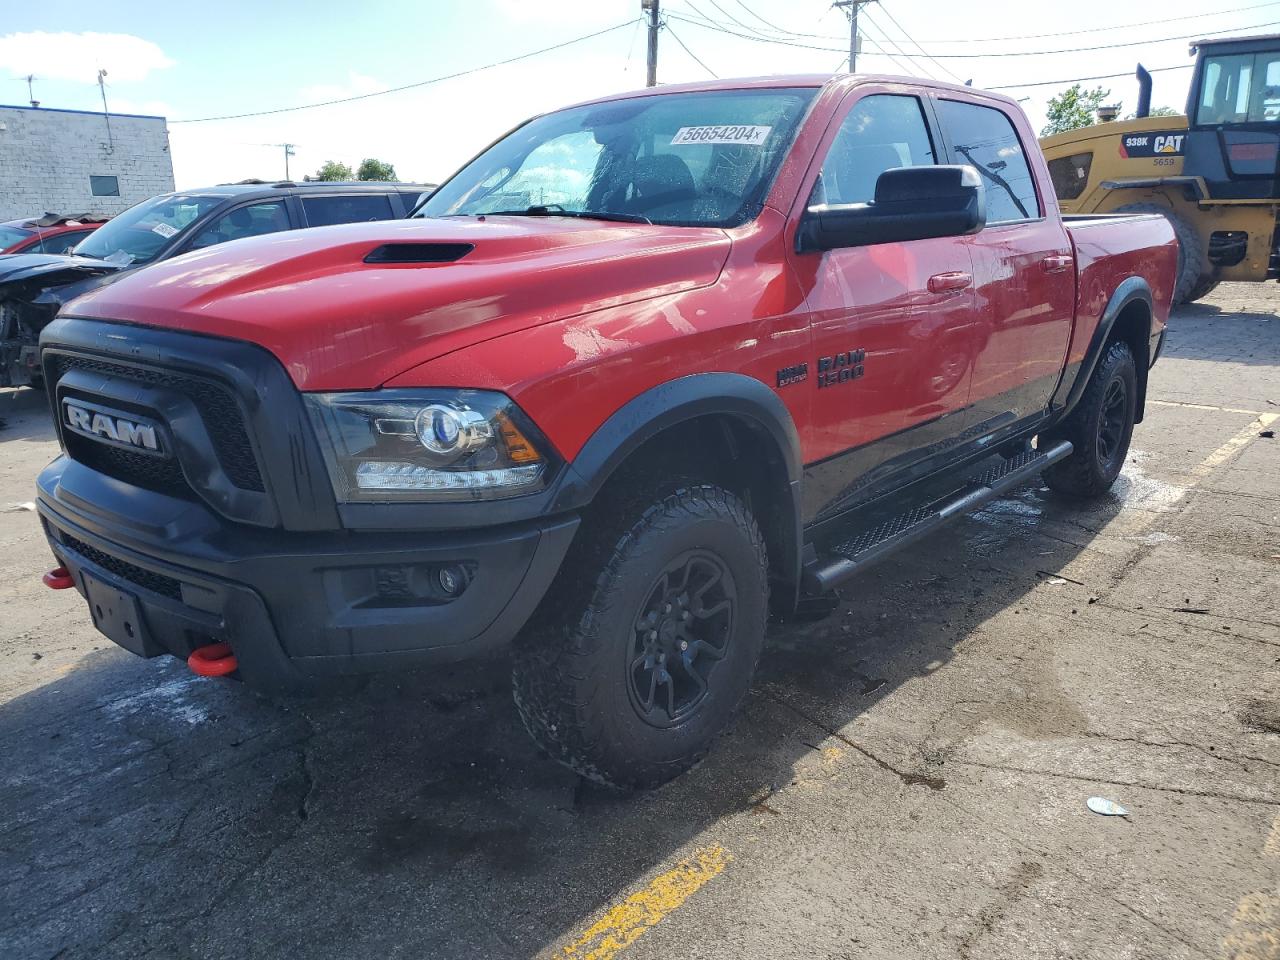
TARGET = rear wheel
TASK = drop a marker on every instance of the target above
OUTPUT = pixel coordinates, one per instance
(1191, 284)
(1099, 428)
(649, 639)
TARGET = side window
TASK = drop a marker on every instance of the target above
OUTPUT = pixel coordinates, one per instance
(881, 132)
(1070, 174)
(251, 221)
(63, 241)
(352, 208)
(984, 138)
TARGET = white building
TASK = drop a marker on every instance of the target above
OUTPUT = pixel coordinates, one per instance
(73, 161)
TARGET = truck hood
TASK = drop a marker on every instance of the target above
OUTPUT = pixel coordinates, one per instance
(51, 268)
(350, 307)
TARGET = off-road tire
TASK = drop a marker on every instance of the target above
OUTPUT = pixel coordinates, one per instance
(1204, 286)
(1094, 465)
(574, 669)
(1190, 284)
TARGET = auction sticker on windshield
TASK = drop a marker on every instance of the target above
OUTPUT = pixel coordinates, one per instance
(750, 135)
(165, 230)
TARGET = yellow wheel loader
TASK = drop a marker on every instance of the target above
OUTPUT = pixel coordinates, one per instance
(1214, 173)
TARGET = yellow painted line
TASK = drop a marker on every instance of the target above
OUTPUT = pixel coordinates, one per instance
(1255, 926)
(1272, 847)
(1233, 446)
(628, 921)
(1204, 406)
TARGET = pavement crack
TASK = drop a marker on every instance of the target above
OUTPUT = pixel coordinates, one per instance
(1209, 752)
(1182, 791)
(908, 779)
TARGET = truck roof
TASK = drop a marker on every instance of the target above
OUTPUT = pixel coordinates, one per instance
(270, 188)
(812, 80)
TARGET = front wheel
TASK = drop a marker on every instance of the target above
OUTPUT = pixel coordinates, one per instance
(1099, 428)
(649, 639)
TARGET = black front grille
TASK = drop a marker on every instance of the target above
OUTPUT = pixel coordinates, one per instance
(132, 573)
(218, 409)
(161, 474)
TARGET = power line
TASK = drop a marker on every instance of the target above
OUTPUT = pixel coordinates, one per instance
(894, 20)
(1033, 36)
(676, 38)
(771, 26)
(410, 86)
(911, 58)
(1103, 76)
(1104, 46)
(971, 56)
(1109, 28)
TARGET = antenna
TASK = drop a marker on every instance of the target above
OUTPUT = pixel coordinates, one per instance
(31, 96)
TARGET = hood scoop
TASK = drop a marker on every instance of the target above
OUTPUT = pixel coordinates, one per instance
(419, 252)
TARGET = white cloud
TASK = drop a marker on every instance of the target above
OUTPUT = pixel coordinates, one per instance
(357, 84)
(79, 56)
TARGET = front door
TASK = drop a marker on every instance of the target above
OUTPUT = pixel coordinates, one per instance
(892, 323)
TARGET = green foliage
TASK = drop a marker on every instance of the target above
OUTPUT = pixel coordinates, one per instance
(1075, 107)
(1158, 112)
(371, 169)
(332, 170)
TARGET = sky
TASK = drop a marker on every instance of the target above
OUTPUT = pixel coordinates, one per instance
(187, 62)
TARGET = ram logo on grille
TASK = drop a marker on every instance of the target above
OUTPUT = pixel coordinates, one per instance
(112, 427)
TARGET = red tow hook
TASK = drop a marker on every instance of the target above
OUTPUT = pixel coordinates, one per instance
(213, 660)
(59, 578)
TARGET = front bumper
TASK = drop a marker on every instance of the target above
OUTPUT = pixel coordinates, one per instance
(297, 604)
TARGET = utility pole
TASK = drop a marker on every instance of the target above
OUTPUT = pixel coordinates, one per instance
(651, 8)
(855, 42)
(106, 114)
(288, 152)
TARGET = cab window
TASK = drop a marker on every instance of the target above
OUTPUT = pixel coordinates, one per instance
(1240, 88)
(250, 221)
(880, 132)
(62, 242)
(352, 208)
(984, 138)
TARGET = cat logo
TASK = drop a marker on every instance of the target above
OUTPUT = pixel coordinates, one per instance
(1166, 143)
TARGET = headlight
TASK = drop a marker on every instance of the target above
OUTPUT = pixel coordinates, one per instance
(429, 445)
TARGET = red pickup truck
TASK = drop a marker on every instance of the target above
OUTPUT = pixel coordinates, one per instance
(644, 372)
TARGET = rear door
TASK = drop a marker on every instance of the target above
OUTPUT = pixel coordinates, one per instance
(892, 323)
(1022, 263)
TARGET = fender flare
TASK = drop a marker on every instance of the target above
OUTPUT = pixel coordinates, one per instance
(742, 398)
(1071, 389)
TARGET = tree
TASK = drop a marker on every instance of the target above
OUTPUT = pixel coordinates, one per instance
(371, 169)
(1073, 108)
(1158, 112)
(332, 170)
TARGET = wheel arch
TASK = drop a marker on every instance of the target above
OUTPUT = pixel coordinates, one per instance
(726, 423)
(1128, 316)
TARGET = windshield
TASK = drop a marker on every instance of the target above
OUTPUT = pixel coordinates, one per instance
(688, 159)
(138, 234)
(11, 235)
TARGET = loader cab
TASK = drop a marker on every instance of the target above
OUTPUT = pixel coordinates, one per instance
(1233, 116)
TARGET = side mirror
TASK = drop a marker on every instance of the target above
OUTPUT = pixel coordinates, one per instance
(912, 203)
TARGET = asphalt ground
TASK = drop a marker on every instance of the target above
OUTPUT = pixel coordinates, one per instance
(908, 779)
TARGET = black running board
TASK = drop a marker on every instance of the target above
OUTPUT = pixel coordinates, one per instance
(850, 557)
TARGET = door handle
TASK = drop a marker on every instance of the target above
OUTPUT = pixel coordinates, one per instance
(947, 282)
(1057, 263)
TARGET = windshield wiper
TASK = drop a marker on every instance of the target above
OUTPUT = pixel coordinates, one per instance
(555, 210)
